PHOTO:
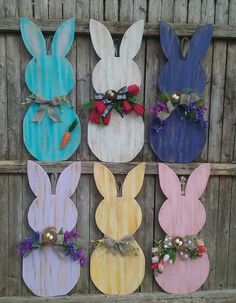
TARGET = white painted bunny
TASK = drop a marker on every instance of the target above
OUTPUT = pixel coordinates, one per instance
(45, 272)
(183, 215)
(123, 138)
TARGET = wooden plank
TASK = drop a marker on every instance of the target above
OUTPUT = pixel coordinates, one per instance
(180, 11)
(83, 93)
(222, 296)
(3, 155)
(183, 215)
(14, 152)
(222, 241)
(19, 167)
(221, 31)
(40, 270)
(118, 216)
(96, 11)
(25, 10)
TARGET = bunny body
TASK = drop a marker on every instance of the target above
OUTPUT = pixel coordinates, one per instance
(174, 142)
(122, 140)
(118, 217)
(49, 75)
(183, 215)
(45, 272)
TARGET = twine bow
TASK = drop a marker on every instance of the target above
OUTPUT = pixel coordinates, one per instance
(122, 245)
(46, 106)
(110, 98)
(176, 100)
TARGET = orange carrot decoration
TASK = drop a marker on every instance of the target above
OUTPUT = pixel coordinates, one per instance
(67, 135)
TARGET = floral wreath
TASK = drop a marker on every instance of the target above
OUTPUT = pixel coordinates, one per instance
(192, 103)
(165, 251)
(123, 101)
(65, 244)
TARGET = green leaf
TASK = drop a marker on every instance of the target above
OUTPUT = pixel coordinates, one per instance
(132, 99)
(89, 104)
(61, 231)
(73, 125)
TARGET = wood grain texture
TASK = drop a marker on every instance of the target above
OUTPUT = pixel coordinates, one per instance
(180, 140)
(113, 73)
(45, 272)
(49, 76)
(183, 215)
(118, 217)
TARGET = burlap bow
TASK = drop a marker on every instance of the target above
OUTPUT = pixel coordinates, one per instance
(122, 245)
(46, 106)
(110, 101)
(184, 99)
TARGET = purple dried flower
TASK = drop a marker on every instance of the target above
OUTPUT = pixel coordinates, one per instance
(67, 236)
(25, 246)
(191, 106)
(83, 260)
(75, 234)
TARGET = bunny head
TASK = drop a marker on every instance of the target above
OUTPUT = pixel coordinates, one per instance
(183, 214)
(117, 216)
(183, 69)
(113, 72)
(48, 75)
(53, 210)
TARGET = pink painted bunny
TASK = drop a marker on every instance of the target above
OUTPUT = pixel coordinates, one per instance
(182, 215)
(45, 271)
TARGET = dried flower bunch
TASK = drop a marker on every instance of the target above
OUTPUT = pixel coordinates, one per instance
(192, 103)
(67, 243)
(166, 251)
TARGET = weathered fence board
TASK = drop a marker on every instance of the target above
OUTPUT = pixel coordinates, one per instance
(219, 233)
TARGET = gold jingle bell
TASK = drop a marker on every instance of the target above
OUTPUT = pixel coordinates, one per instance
(49, 236)
(111, 94)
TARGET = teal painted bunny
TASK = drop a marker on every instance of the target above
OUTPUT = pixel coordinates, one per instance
(50, 77)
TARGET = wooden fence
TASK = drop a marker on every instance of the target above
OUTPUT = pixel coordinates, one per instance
(219, 199)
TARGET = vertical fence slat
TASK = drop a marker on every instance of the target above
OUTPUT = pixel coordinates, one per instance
(83, 84)
(3, 155)
(222, 242)
(97, 13)
(14, 152)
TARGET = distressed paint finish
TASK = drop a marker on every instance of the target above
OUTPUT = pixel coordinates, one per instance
(117, 217)
(49, 74)
(178, 139)
(45, 272)
(110, 143)
(172, 143)
(183, 215)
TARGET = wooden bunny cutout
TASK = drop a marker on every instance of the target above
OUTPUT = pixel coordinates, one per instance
(123, 138)
(118, 218)
(50, 77)
(46, 272)
(183, 215)
(181, 139)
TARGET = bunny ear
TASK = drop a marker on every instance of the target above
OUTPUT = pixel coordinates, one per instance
(32, 37)
(169, 181)
(197, 181)
(169, 41)
(63, 38)
(101, 39)
(133, 181)
(132, 40)
(38, 180)
(200, 42)
(68, 180)
(104, 180)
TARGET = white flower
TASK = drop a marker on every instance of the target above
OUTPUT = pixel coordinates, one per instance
(166, 258)
(155, 259)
